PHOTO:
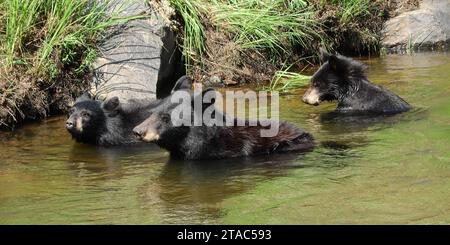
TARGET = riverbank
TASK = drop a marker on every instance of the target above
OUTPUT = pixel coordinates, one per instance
(46, 51)
(47, 48)
(235, 42)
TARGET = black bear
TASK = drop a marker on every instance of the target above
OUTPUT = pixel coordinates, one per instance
(206, 140)
(344, 79)
(106, 123)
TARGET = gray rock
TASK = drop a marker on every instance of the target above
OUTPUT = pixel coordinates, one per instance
(426, 28)
(139, 59)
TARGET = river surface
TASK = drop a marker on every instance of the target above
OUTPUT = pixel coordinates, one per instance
(393, 170)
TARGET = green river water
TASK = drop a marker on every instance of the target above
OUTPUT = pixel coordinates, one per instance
(394, 170)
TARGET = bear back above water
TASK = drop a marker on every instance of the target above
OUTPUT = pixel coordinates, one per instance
(344, 79)
(214, 141)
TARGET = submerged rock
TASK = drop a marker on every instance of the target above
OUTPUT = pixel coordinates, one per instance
(139, 59)
(427, 28)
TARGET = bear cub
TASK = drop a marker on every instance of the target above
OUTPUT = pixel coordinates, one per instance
(207, 140)
(344, 79)
(106, 123)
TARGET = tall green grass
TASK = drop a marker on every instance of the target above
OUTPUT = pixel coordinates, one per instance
(194, 31)
(43, 42)
(18, 18)
(285, 80)
(41, 32)
(354, 26)
(273, 25)
(351, 9)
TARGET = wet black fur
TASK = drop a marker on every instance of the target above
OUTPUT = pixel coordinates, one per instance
(109, 122)
(206, 142)
(344, 79)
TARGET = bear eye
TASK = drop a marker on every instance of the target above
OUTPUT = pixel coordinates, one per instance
(84, 114)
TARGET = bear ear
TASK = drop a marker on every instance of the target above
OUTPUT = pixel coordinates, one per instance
(183, 82)
(83, 97)
(111, 104)
(323, 55)
(336, 64)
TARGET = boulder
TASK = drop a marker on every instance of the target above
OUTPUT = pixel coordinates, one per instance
(138, 59)
(427, 28)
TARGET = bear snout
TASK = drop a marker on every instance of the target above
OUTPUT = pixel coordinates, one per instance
(311, 97)
(69, 124)
(145, 134)
(138, 132)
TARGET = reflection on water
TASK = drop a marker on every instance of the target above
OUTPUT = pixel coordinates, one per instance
(197, 188)
(364, 170)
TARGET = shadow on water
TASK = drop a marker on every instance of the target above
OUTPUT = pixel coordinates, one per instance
(198, 187)
(113, 155)
(183, 191)
(108, 162)
(360, 122)
(354, 127)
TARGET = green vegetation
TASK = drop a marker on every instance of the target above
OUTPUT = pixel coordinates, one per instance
(194, 32)
(35, 30)
(235, 34)
(352, 9)
(46, 47)
(352, 26)
(284, 80)
(271, 25)
(264, 25)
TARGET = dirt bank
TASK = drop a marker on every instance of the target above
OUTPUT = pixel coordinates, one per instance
(350, 27)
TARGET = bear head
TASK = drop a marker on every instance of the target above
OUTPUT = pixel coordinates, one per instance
(336, 78)
(86, 120)
(171, 119)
